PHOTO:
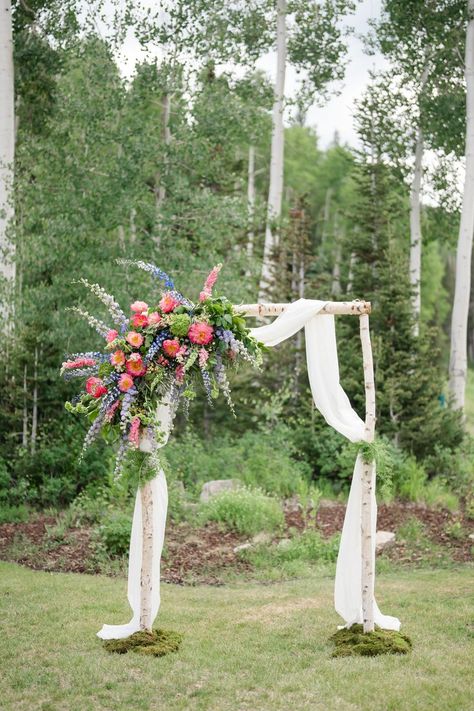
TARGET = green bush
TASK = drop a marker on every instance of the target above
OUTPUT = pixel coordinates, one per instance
(13, 514)
(244, 510)
(115, 532)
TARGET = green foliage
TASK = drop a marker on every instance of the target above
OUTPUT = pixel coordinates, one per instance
(354, 642)
(247, 511)
(114, 532)
(308, 546)
(13, 514)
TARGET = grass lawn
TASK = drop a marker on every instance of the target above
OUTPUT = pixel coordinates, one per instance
(246, 646)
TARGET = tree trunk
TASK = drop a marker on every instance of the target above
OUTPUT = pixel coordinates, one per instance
(24, 439)
(415, 229)
(146, 496)
(160, 187)
(336, 270)
(251, 201)
(458, 355)
(368, 482)
(275, 190)
(34, 414)
(7, 151)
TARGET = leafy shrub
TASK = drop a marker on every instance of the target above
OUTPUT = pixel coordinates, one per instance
(437, 495)
(13, 514)
(309, 546)
(244, 510)
(115, 532)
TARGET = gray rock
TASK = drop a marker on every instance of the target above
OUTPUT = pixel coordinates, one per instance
(384, 539)
(284, 543)
(212, 488)
(261, 538)
(242, 547)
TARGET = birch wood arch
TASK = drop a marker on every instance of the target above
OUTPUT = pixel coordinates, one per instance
(355, 572)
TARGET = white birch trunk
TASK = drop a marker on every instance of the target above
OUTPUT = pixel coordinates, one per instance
(146, 580)
(250, 201)
(7, 150)
(368, 482)
(34, 414)
(275, 190)
(460, 314)
(415, 229)
(24, 439)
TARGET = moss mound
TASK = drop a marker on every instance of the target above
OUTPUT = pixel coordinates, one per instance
(155, 644)
(353, 642)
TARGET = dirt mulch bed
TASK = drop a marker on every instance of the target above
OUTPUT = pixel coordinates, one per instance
(205, 555)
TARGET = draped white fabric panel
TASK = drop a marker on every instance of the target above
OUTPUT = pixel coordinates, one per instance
(333, 403)
(160, 505)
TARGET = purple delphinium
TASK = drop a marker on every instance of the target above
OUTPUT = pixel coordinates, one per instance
(156, 345)
(151, 268)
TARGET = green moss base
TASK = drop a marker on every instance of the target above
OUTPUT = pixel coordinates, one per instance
(353, 642)
(155, 644)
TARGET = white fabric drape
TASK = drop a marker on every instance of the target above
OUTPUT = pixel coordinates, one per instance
(159, 488)
(333, 403)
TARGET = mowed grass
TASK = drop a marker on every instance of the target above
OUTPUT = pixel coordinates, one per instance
(246, 646)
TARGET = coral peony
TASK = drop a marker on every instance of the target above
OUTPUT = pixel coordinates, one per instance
(201, 333)
(125, 382)
(138, 307)
(154, 318)
(140, 321)
(134, 338)
(95, 387)
(168, 303)
(171, 347)
(117, 358)
(111, 335)
(135, 365)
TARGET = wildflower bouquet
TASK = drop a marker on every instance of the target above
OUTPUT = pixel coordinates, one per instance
(161, 351)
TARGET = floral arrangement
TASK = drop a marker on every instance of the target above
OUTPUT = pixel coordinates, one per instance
(164, 350)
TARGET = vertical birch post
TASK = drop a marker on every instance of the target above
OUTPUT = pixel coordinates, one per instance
(368, 482)
(147, 556)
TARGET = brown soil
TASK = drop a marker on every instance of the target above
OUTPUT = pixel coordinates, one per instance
(206, 554)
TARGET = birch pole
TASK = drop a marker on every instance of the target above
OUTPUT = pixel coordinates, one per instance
(460, 314)
(275, 190)
(250, 201)
(368, 482)
(7, 148)
(146, 497)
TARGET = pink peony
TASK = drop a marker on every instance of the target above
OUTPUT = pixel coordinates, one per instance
(138, 307)
(200, 333)
(168, 303)
(111, 335)
(117, 358)
(95, 387)
(140, 321)
(171, 347)
(135, 365)
(134, 338)
(125, 382)
(154, 318)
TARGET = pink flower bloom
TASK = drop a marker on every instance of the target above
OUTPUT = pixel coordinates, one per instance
(95, 387)
(171, 347)
(154, 318)
(135, 365)
(138, 307)
(78, 363)
(111, 411)
(203, 356)
(135, 339)
(209, 283)
(140, 321)
(179, 372)
(200, 333)
(168, 303)
(162, 361)
(134, 434)
(117, 358)
(125, 382)
(111, 335)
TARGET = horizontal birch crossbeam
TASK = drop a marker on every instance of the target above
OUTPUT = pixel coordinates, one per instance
(339, 308)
